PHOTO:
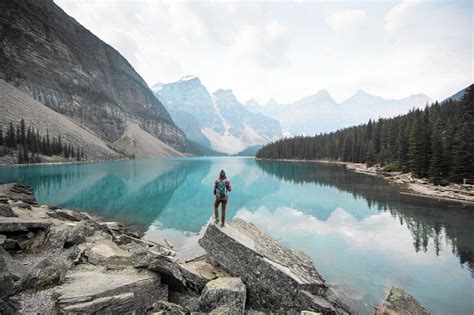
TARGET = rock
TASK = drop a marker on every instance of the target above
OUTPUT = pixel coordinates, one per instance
(169, 269)
(13, 224)
(199, 272)
(3, 238)
(51, 269)
(105, 252)
(6, 211)
(168, 308)
(18, 192)
(78, 233)
(12, 274)
(188, 299)
(67, 215)
(398, 302)
(226, 295)
(10, 244)
(125, 291)
(22, 205)
(276, 277)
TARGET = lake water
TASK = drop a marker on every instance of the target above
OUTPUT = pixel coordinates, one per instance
(362, 235)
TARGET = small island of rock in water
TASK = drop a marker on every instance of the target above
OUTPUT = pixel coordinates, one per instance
(55, 260)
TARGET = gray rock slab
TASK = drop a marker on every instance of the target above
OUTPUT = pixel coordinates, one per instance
(123, 291)
(13, 224)
(273, 274)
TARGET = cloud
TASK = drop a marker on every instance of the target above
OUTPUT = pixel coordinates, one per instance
(397, 17)
(344, 21)
(265, 44)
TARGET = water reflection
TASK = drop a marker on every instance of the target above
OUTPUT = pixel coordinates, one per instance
(426, 219)
(360, 232)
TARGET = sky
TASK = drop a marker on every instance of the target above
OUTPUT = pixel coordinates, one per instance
(290, 49)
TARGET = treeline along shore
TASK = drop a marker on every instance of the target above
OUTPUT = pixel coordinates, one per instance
(23, 144)
(435, 143)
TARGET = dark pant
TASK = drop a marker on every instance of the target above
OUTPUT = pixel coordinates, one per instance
(216, 208)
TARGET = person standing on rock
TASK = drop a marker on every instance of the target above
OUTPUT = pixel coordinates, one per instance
(221, 187)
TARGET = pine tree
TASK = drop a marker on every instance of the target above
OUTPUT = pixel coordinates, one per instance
(370, 157)
(437, 156)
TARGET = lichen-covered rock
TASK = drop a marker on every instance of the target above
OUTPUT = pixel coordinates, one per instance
(277, 278)
(224, 295)
(123, 291)
(398, 302)
(168, 308)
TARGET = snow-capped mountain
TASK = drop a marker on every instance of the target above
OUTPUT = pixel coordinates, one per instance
(321, 113)
(218, 121)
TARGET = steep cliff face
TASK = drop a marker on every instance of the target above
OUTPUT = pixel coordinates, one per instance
(47, 54)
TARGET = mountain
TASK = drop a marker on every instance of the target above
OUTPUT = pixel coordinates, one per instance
(218, 121)
(50, 56)
(15, 104)
(250, 151)
(457, 96)
(319, 112)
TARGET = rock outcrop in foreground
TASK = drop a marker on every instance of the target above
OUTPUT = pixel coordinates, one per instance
(277, 278)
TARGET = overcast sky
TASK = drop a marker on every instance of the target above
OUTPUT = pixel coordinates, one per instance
(288, 50)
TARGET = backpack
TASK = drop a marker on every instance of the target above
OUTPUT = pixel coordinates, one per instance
(221, 191)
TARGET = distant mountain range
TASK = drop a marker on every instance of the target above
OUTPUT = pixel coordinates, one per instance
(218, 121)
(49, 56)
(321, 113)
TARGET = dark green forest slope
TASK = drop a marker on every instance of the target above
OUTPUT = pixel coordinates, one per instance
(437, 142)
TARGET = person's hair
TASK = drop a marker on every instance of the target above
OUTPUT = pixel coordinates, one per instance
(222, 175)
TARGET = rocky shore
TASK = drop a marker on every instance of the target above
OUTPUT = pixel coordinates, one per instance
(415, 186)
(419, 186)
(55, 260)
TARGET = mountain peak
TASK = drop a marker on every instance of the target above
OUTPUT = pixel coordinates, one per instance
(271, 102)
(157, 87)
(225, 94)
(252, 102)
(188, 78)
(322, 96)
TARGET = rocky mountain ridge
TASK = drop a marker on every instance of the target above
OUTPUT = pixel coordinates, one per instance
(50, 56)
(321, 113)
(219, 120)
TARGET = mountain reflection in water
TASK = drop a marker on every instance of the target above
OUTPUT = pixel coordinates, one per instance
(361, 233)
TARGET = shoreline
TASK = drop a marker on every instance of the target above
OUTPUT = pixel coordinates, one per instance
(417, 187)
(62, 163)
(51, 252)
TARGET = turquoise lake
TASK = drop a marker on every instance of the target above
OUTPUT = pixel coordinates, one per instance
(361, 233)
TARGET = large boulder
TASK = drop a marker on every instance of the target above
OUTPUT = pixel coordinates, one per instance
(277, 278)
(221, 294)
(398, 302)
